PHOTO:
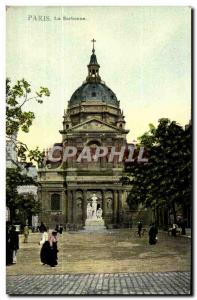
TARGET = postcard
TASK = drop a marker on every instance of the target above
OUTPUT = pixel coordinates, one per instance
(98, 150)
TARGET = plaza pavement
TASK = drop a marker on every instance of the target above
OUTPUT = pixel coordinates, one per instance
(115, 263)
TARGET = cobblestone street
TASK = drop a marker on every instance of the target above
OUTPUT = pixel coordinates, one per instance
(168, 283)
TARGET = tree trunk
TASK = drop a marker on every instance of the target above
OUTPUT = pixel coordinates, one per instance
(12, 214)
(165, 216)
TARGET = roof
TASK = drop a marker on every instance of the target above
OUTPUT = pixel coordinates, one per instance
(95, 91)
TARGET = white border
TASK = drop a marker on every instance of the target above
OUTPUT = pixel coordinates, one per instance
(3, 3)
(101, 2)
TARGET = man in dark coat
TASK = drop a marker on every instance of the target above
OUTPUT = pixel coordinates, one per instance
(9, 251)
(183, 226)
(153, 231)
(139, 228)
(14, 242)
(57, 227)
(61, 228)
(42, 227)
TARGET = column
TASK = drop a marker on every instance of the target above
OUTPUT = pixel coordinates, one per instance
(84, 205)
(62, 202)
(119, 206)
(115, 206)
(103, 203)
(69, 206)
(63, 207)
(74, 200)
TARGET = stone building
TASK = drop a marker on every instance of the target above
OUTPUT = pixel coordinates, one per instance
(93, 118)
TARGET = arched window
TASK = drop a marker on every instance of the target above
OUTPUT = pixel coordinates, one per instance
(93, 143)
(55, 202)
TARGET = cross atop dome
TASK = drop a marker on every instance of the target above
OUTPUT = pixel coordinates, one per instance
(93, 41)
(93, 67)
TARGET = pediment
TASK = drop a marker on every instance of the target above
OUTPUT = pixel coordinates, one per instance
(95, 125)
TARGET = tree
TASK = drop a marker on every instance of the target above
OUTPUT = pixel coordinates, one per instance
(27, 205)
(17, 119)
(165, 181)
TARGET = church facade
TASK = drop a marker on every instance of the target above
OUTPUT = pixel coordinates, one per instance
(93, 118)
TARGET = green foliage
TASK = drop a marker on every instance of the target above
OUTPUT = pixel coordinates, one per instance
(165, 181)
(26, 204)
(36, 155)
(16, 97)
(17, 119)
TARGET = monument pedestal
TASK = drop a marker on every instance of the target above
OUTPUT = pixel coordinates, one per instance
(95, 225)
(94, 221)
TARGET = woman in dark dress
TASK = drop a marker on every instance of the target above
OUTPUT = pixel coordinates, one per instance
(153, 231)
(54, 250)
(48, 253)
(44, 253)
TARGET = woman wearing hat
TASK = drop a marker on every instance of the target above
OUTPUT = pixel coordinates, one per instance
(48, 253)
(54, 250)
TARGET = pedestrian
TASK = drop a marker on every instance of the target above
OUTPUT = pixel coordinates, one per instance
(57, 228)
(179, 222)
(9, 251)
(153, 231)
(26, 233)
(61, 228)
(139, 228)
(54, 250)
(48, 253)
(44, 247)
(183, 226)
(14, 243)
(42, 227)
(174, 229)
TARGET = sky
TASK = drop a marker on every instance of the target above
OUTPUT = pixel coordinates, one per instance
(144, 54)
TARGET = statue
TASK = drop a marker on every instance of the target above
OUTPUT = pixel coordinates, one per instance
(94, 207)
(89, 211)
(94, 221)
(99, 213)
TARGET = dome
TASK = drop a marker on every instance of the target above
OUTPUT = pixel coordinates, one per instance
(95, 91)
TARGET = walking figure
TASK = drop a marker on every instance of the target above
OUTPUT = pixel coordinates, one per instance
(26, 233)
(139, 228)
(48, 253)
(42, 227)
(9, 251)
(14, 243)
(183, 226)
(54, 250)
(153, 231)
(44, 246)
